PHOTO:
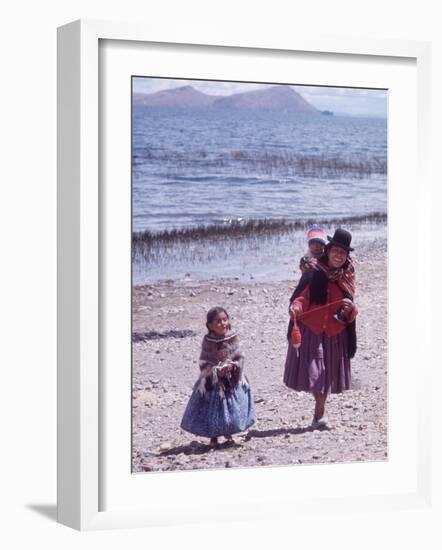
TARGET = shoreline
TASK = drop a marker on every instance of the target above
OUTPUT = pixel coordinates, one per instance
(267, 258)
(168, 325)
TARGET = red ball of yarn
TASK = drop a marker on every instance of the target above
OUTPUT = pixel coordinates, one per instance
(295, 338)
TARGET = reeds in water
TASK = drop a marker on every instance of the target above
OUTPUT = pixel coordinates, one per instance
(235, 229)
(234, 247)
(267, 163)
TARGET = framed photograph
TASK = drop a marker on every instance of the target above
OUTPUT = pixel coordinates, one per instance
(203, 189)
(229, 180)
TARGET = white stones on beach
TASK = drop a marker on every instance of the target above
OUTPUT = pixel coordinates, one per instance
(281, 433)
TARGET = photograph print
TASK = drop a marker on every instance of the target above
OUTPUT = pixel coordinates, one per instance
(259, 274)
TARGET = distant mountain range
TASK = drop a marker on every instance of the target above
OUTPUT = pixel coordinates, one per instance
(275, 98)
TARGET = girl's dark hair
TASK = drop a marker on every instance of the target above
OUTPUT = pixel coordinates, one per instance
(213, 313)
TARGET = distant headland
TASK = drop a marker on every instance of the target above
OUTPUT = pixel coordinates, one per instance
(280, 98)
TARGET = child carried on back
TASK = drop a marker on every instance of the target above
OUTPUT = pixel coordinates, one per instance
(309, 263)
(316, 240)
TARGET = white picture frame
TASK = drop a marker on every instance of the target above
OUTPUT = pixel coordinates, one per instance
(81, 293)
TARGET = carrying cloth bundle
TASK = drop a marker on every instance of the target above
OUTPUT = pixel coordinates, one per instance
(345, 279)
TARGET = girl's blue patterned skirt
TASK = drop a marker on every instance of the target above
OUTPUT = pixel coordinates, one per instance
(211, 415)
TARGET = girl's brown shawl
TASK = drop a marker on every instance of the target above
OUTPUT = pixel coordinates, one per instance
(221, 363)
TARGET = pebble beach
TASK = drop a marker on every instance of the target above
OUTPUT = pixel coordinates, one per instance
(168, 326)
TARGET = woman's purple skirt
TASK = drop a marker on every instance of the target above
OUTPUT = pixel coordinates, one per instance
(321, 364)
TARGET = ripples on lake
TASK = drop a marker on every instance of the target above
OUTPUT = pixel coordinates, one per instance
(201, 166)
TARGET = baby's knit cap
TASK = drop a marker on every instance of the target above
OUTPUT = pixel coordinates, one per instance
(316, 234)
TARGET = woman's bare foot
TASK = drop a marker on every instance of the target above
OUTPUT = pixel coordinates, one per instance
(320, 399)
(320, 423)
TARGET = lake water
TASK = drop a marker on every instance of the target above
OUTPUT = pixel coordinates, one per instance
(193, 167)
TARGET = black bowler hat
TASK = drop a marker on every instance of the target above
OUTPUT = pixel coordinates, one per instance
(341, 238)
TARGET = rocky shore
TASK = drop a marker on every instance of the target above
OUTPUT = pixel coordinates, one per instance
(168, 325)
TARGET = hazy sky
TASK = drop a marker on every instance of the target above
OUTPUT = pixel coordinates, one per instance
(359, 102)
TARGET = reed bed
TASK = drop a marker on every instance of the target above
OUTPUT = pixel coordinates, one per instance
(235, 229)
(266, 163)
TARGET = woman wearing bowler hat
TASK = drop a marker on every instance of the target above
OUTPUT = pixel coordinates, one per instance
(324, 312)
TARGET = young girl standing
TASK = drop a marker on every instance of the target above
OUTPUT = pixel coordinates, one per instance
(221, 403)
